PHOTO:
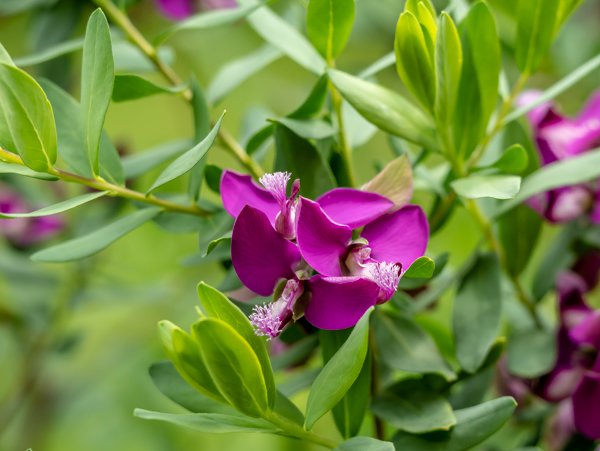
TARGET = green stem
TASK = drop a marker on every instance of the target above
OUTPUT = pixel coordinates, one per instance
(134, 35)
(294, 430)
(345, 148)
(98, 183)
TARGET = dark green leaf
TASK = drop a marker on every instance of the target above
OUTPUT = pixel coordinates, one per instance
(131, 87)
(421, 268)
(340, 372)
(96, 241)
(188, 160)
(473, 426)
(477, 311)
(97, 79)
(386, 109)
(531, 353)
(212, 175)
(314, 102)
(494, 185)
(308, 128)
(226, 239)
(295, 353)
(519, 230)
(26, 119)
(59, 207)
(514, 160)
(404, 346)
(365, 444)
(329, 25)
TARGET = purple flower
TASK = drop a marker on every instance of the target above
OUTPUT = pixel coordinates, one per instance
(576, 374)
(182, 9)
(559, 138)
(280, 242)
(24, 232)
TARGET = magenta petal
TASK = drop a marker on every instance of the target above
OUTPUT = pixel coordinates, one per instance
(399, 237)
(353, 207)
(177, 9)
(239, 190)
(322, 242)
(537, 114)
(586, 400)
(260, 255)
(588, 330)
(339, 302)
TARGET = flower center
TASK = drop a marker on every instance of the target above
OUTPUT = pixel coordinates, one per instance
(386, 275)
(270, 319)
(276, 183)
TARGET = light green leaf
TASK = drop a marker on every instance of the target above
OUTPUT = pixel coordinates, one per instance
(495, 186)
(308, 128)
(215, 423)
(412, 407)
(209, 19)
(217, 305)
(365, 444)
(518, 231)
(448, 61)
(10, 168)
(96, 241)
(405, 346)
(572, 171)
(531, 353)
(536, 27)
(514, 160)
(329, 25)
(233, 366)
(131, 87)
(280, 34)
(394, 181)
(26, 119)
(188, 160)
(473, 426)
(386, 109)
(477, 312)
(414, 61)
(50, 53)
(138, 164)
(5, 56)
(234, 73)
(388, 60)
(97, 79)
(59, 207)
(421, 268)
(338, 375)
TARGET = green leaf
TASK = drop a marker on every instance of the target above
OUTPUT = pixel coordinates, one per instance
(514, 160)
(338, 375)
(201, 131)
(226, 238)
(215, 423)
(314, 102)
(138, 164)
(97, 79)
(210, 19)
(349, 413)
(412, 407)
(329, 25)
(217, 305)
(131, 87)
(473, 426)
(495, 186)
(96, 241)
(50, 53)
(5, 57)
(421, 268)
(572, 171)
(59, 207)
(26, 119)
(234, 73)
(387, 60)
(233, 366)
(531, 353)
(71, 145)
(308, 128)
(448, 58)
(11, 168)
(519, 231)
(394, 181)
(405, 346)
(188, 160)
(298, 156)
(479, 80)
(413, 60)
(365, 444)
(536, 26)
(477, 311)
(386, 109)
(280, 34)
(173, 386)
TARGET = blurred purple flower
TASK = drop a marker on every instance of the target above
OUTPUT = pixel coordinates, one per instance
(576, 375)
(23, 232)
(559, 138)
(182, 9)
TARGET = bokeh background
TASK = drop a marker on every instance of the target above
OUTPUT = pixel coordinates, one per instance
(76, 339)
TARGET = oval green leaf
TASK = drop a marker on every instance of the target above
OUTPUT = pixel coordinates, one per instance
(329, 25)
(494, 186)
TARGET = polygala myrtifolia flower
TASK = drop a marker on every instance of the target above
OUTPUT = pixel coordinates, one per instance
(182, 9)
(575, 379)
(24, 232)
(559, 138)
(304, 251)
